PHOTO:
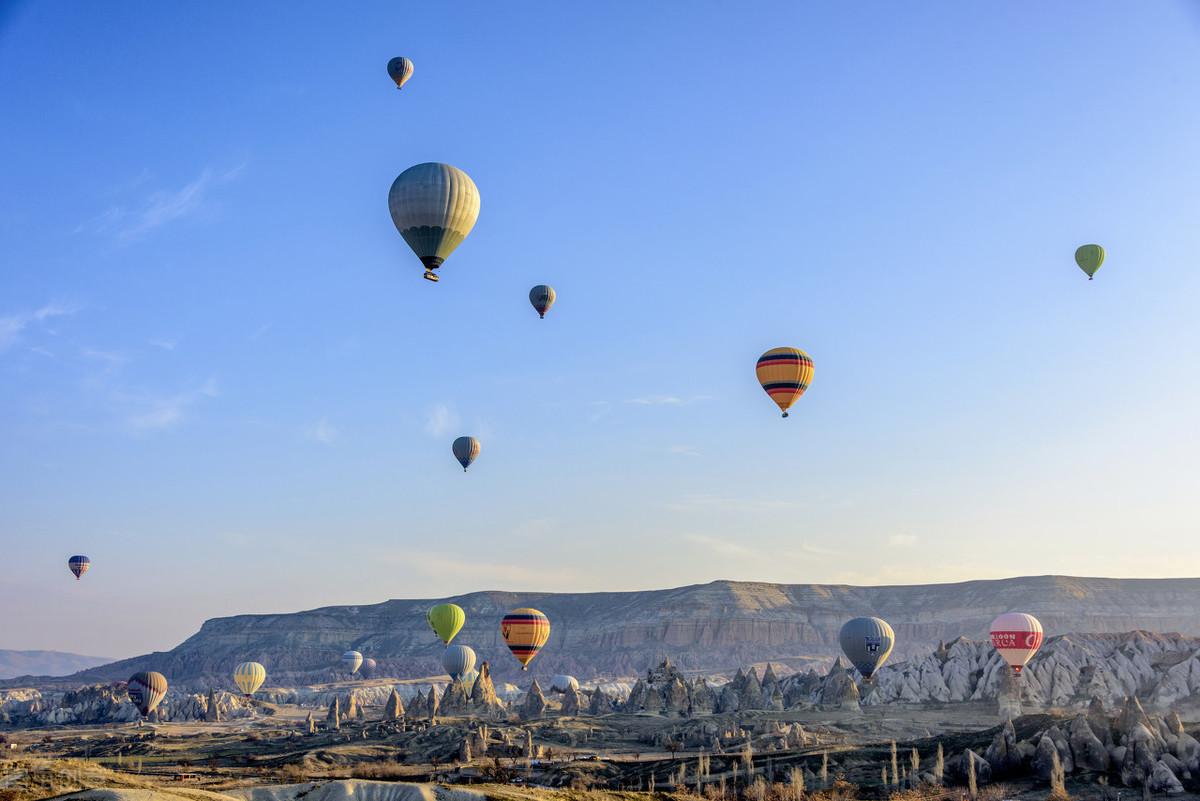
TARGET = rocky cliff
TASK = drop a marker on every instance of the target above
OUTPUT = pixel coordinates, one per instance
(710, 627)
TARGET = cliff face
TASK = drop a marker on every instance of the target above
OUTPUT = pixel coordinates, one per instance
(709, 627)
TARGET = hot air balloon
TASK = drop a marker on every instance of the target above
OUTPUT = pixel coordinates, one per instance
(867, 643)
(369, 666)
(1089, 258)
(79, 565)
(446, 620)
(458, 660)
(542, 298)
(146, 689)
(525, 631)
(434, 206)
(465, 450)
(249, 676)
(400, 69)
(563, 683)
(1017, 636)
(784, 374)
(352, 661)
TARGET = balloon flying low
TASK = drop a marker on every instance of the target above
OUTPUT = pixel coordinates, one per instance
(1089, 258)
(146, 689)
(1017, 636)
(434, 206)
(352, 661)
(542, 298)
(400, 69)
(369, 666)
(458, 661)
(784, 374)
(249, 676)
(465, 450)
(446, 620)
(525, 631)
(79, 565)
(867, 643)
(562, 683)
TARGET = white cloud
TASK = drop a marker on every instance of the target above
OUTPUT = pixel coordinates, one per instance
(159, 413)
(684, 450)
(902, 540)
(710, 503)
(13, 325)
(159, 208)
(722, 546)
(164, 344)
(440, 420)
(666, 400)
(322, 432)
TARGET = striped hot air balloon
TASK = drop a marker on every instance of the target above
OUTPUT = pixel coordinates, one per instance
(79, 565)
(249, 676)
(352, 661)
(465, 450)
(1017, 636)
(525, 631)
(146, 689)
(434, 206)
(446, 620)
(542, 297)
(784, 374)
(400, 69)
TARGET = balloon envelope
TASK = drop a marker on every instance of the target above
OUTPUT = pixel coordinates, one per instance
(562, 683)
(1089, 258)
(1017, 636)
(542, 297)
(446, 620)
(352, 661)
(867, 643)
(458, 660)
(465, 450)
(434, 206)
(784, 374)
(146, 689)
(400, 69)
(525, 631)
(79, 565)
(369, 666)
(249, 676)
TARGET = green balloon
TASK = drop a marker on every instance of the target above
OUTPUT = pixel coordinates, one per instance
(446, 620)
(1089, 258)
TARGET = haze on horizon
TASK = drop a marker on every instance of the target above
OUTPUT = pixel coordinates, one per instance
(222, 377)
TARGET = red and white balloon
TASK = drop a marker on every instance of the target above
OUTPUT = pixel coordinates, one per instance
(1017, 636)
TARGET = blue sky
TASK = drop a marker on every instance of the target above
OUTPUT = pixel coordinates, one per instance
(222, 376)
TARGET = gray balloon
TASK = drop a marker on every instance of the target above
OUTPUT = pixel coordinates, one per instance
(457, 660)
(867, 643)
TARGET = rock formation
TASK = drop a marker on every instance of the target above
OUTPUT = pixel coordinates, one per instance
(212, 714)
(838, 690)
(394, 709)
(333, 720)
(534, 705)
(572, 701)
(600, 703)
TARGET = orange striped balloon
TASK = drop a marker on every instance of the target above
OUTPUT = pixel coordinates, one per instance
(784, 374)
(525, 631)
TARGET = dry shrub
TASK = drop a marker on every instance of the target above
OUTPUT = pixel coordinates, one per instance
(377, 770)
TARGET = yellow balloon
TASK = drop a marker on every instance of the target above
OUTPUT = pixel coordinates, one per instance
(249, 676)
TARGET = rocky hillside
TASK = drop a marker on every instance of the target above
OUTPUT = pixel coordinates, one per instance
(710, 627)
(45, 663)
